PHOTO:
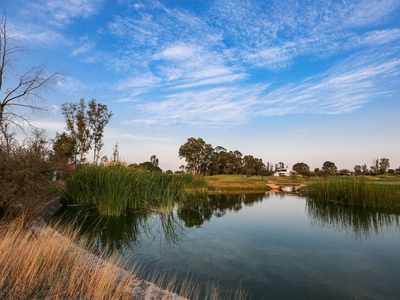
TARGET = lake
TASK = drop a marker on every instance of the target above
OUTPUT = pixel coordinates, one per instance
(274, 246)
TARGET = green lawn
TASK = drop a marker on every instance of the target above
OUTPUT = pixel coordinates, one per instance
(231, 183)
(221, 183)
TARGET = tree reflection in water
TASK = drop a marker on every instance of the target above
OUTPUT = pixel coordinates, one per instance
(217, 205)
(110, 234)
(363, 222)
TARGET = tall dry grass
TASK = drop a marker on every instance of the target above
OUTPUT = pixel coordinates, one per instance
(49, 266)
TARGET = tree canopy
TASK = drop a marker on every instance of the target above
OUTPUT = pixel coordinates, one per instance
(85, 125)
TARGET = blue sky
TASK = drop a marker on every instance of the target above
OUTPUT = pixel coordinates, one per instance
(290, 81)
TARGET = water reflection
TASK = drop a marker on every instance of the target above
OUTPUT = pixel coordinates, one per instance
(115, 234)
(217, 205)
(112, 234)
(362, 222)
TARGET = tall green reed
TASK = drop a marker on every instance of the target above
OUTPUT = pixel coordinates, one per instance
(354, 191)
(116, 189)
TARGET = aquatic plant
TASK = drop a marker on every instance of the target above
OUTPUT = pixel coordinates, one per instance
(355, 191)
(115, 189)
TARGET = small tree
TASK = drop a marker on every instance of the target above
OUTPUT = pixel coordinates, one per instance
(115, 153)
(357, 170)
(375, 165)
(329, 168)
(300, 166)
(384, 165)
(64, 148)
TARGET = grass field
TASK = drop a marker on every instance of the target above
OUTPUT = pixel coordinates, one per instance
(237, 183)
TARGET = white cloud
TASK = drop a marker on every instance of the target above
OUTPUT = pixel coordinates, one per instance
(63, 12)
(344, 88)
(82, 49)
(144, 80)
(71, 85)
(212, 81)
(180, 51)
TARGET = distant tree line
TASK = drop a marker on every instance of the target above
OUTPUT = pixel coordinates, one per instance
(203, 159)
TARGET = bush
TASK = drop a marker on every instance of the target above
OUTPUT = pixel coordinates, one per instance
(25, 176)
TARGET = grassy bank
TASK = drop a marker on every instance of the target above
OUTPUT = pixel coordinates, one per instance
(355, 191)
(42, 266)
(240, 183)
(115, 189)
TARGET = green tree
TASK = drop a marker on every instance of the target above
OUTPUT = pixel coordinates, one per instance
(218, 160)
(329, 168)
(235, 161)
(86, 126)
(63, 148)
(357, 170)
(20, 92)
(253, 165)
(197, 155)
(384, 165)
(375, 165)
(98, 117)
(152, 165)
(300, 166)
(364, 169)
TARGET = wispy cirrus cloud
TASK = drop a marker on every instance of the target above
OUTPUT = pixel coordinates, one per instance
(344, 88)
(71, 85)
(61, 13)
(85, 47)
(198, 66)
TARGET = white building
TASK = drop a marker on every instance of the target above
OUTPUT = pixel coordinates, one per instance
(284, 172)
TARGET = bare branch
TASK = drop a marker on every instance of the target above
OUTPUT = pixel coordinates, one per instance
(30, 85)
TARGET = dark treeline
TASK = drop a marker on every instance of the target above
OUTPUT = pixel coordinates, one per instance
(203, 159)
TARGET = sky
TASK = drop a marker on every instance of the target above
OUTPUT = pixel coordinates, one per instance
(282, 80)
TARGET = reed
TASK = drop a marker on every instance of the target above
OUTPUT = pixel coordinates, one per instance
(355, 191)
(116, 189)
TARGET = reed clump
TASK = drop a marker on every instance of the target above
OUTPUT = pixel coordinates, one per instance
(117, 188)
(355, 191)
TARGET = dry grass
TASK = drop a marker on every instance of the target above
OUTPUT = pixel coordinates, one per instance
(47, 265)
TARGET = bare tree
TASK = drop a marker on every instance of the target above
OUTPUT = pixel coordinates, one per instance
(19, 92)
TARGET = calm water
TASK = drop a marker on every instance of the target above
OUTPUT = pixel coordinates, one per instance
(274, 246)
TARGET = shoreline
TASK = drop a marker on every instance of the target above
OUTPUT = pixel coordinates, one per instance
(137, 287)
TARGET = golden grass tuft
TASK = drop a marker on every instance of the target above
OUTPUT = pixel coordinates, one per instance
(47, 265)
